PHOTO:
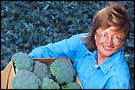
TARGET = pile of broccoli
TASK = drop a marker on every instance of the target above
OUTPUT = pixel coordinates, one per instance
(32, 74)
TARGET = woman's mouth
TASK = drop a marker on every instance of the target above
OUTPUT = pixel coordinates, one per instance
(107, 48)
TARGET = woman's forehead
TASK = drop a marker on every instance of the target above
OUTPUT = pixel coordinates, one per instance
(111, 29)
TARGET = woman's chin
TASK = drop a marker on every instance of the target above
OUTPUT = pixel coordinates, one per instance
(107, 53)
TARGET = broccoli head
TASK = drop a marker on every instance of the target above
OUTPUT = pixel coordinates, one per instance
(41, 70)
(62, 70)
(49, 84)
(22, 61)
(26, 80)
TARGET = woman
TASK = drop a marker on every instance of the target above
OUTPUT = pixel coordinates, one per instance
(96, 56)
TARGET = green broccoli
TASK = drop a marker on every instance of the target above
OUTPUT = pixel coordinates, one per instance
(71, 85)
(49, 84)
(62, 70)
(35, 75)
(22, 61)
(26, 80)
(41, 70)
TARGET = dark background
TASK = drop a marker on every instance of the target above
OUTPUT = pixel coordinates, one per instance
(26, 25)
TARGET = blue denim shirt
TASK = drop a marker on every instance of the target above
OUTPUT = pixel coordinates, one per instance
(112, 73)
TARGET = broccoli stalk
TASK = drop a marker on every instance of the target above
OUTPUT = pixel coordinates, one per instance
(71, 85)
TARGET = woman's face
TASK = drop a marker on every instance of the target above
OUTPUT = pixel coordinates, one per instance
(108, 41)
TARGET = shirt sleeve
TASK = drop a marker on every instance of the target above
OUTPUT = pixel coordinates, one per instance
(66, 48)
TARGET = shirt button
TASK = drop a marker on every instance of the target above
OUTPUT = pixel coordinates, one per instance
(96, 66)
(121, 85)
(88, 54)
(83, 81)
(76, 59)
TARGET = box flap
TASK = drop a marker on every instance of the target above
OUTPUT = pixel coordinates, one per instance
(11, 76)
(5, 75)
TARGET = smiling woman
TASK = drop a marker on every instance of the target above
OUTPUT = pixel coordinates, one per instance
(113, 15)
(96, 56)
(108, 42)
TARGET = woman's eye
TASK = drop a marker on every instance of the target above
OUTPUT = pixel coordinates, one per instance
(103, 35)
(116, 36)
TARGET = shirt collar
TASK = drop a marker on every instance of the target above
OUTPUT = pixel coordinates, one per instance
(105, 66)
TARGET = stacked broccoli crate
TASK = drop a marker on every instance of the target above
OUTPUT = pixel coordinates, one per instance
(34, 74)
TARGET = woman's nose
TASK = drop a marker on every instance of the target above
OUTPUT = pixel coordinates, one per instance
(109, 41)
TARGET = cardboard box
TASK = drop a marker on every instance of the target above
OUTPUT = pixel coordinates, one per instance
(7, 75)
(9, 72)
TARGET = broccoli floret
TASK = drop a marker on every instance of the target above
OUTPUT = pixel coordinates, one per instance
(71, 85)
(41, 70)
(26, 80)
(62, 70)
(22, 61)
(49, 84)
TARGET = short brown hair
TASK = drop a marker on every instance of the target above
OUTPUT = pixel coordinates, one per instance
(113, 14)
